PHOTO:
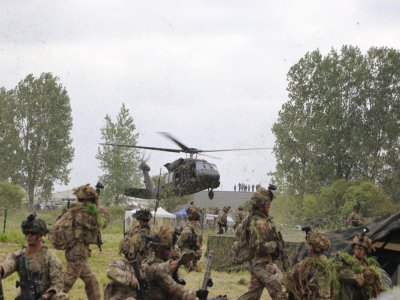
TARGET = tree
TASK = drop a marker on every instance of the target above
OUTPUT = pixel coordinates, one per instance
(42, 118)
(120, 164)
(10, 195)
(341, 121)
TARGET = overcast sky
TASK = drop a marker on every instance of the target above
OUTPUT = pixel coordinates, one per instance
(212, 73)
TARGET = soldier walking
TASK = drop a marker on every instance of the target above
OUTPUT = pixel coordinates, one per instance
(38, 268)
(87, 223)
(239, 217)
(264, 247)
(355, 219)
(222, 220)
(190, 240)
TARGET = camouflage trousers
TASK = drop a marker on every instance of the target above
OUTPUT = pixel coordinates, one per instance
(264, 275)
(81, 269)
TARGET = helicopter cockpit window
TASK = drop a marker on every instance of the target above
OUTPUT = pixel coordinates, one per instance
(213, 167)
(200, 166)
(169, 177)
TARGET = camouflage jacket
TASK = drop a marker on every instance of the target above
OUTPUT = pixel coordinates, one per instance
(359, 279)
(140, 242)
(223, 219)
(123, 283)
(161, 284)
(45, 262)
(239, 217)
(263, 238)
(355, 219)
(310, 279)
(190, 238)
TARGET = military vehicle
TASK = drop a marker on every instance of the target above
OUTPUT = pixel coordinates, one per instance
(185, 176)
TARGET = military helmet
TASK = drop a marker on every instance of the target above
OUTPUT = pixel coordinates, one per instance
(193, 212)
(31, 224)
(226, 208)
(163, 237)
(142, 214)
(318, 241)
(364, 241)
(86, 192)
(357, 206)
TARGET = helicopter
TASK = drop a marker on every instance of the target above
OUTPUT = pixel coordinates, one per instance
(185, 176)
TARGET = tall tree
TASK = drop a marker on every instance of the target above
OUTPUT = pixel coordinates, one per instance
(120, 164)
(42, 117)
(341, 121)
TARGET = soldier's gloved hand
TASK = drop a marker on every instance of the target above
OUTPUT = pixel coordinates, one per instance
(202, 294)
(360, 280)
(210, 283)
(270, 247)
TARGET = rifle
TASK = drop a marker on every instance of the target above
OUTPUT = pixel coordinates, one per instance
(30, 289)
(143, 284)
(157, 197)
(207, 282)
(282, 256)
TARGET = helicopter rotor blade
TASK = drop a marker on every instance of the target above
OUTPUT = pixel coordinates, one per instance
(239, 149)
(210, 156)
(142, 147)
(182, 146)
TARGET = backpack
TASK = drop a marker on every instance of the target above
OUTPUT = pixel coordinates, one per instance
(65, 232)
(243, 251)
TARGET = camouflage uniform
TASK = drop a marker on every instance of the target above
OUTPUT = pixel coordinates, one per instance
(191, 237)
(264, 271)
(86, 232)
(355, 219)
(222, 220)
(360, 278)
(123, 283)
(239, 217)
(158, 273)
(45, 263)
(312, 277)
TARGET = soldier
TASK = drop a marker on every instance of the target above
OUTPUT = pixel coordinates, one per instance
(239, 217)
(312, 277)
(191, 238)
(141, 230)
(39, 269)
(355, 219)
(222, 220)
(264, 247)
(87, 222)
(123, 283)
(360, 276)
(159, 268)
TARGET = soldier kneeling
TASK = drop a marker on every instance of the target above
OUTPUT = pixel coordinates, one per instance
(39, 269)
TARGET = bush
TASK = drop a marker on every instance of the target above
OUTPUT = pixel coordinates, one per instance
(10, 195)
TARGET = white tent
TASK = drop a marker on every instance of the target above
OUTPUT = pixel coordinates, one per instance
(162, 218)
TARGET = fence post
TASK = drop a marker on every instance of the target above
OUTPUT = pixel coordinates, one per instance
(5, 221)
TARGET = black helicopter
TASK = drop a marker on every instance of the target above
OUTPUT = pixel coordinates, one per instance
(185, 175)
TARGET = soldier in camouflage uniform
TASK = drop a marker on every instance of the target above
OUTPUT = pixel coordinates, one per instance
(191, 238)
(222, 220)
(239, 217)
(36, 262)
(355, 219)
(312, 278)
(139, 231)
(263, 242)
(159, 268)
(87, 223)
(360, 276)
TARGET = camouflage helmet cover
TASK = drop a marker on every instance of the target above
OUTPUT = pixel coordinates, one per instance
(142, 214)
(258, 199)
(193, 212)
(365, 242)
(318, 241)
(85, 192)
(31, 224)
(163, 237)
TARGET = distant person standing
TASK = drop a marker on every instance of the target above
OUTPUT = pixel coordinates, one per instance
(252, 188)
(240, 187)
(223, 220)
(245, 188)
(355, 219)
(239, 216)
(234, 188)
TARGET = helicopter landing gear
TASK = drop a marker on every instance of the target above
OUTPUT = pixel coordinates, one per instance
(211, 194)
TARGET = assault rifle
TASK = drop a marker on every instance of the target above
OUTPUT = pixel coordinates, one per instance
(143, 284)
(99, 186)
(30, 289)
(202, 293)
(281, 251)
